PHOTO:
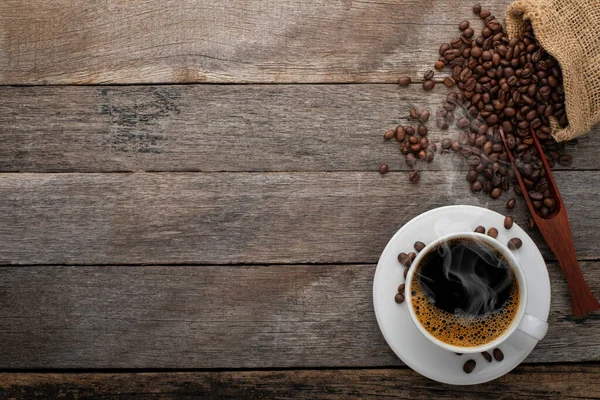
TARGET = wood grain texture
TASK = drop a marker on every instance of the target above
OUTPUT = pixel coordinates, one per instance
(218, 128)
(241, 218)
(61, 42)
(576, 381)
(278, 316)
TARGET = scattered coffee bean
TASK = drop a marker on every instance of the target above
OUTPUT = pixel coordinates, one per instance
(383, 169)
(487, 356)
(449, 81)
(424, 116)
(439, 65)
(428, 85)
(493, 232)
(480, 229)
(510, 204)
(477, 8)
(565, 160)
(403, 259)
(410, 159)
(414, 113)
(515, 244)
(399, 298)
(463, 25)
(401, 288)
(414, 176)
(409, 130)
(412, 255)
(498, 355)
(400, 133)
(404, 81)
(508, 222)
(469, 366)
(389, 134)
(422, 130)
(428, 75)
(530, 223)
(419, 246)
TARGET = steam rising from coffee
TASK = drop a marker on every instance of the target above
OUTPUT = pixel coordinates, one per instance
(477, 276)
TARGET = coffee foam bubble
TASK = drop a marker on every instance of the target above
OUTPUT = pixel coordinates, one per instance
(460, 329)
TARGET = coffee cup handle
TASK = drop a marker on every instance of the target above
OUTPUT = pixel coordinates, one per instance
(534, 327)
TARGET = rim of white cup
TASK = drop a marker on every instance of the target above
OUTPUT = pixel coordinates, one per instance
(513, 262)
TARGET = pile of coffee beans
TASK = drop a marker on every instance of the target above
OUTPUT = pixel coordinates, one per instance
(413, 142)
(504, 84)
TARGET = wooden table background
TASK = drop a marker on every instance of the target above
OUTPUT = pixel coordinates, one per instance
(190, 204)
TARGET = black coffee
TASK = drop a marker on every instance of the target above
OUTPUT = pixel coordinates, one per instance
(465, 292)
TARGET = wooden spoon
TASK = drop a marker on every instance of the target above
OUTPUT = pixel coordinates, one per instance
(556, 231)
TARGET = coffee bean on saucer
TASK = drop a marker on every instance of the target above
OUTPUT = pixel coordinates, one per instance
(399, 298)
(487, 356)
(383, 169)
(508, 222)
(401, 288)
(404, 259)
(511, 204)
(493, 232)
(498, 355)
(405, 273)
(419, 246)
(469, 366)
(515, 243)
(412, 255)
(480, 229)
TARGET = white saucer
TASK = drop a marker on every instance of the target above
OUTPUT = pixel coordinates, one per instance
(398, 329)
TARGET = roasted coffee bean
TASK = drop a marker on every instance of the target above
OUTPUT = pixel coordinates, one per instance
(480, 229)
(548, 202)
(413, 140)
(530, 223)
(476, 187)
(401, 288)
(423, 142)
(496, 192)
(487, 356)
(400, 133)
(455, 146)
(468, 32)
(510, 204)
(389, 134)
(383, 169)
(428, 75)
(404, 81)
(403, 258)
(565, 160)
(399, 298)
(470, 364)
(419, 246)
(410, 160)
(444, 48)
(498, 355)
(414, 176)
(449, 81)
(492, 232)
(428, 85)
(515, 243)
(414, 113)
(424, 116)
(536, 195)
(472, 176)
(439, 65)
(422, 130)
(446, 143)
(508, 222)
(544, 211)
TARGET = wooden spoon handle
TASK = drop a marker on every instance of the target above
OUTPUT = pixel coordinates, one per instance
(557, 233)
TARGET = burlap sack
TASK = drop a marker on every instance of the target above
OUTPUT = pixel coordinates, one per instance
(570, 31)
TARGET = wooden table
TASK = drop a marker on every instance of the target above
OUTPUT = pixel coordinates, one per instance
(190, 201)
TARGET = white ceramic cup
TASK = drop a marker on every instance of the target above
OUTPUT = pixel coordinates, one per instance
(523, 322)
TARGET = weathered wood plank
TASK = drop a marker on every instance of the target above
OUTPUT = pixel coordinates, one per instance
(61, 42)
(217, 128)
(575, 381)
(241, 218)
(224, 317)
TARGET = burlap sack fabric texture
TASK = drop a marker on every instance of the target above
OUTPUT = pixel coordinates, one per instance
(570, 31)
